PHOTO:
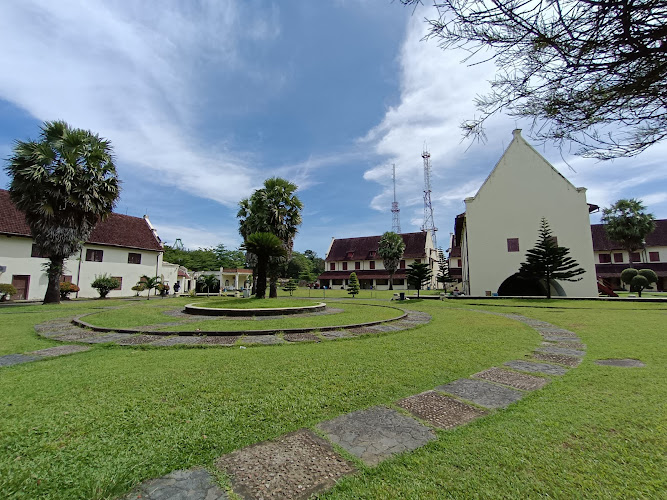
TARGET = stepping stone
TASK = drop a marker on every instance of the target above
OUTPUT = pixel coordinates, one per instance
(294, 466)
(440, 410)
(261, 339)
(178, 340)
(220, 339)
(556, 331)
(526, 366)
(558, 358)
(77, 334)
(376, 433)
(60, 350)
(567, 345)
(560, 338)
(562, 350)
(625, 363)
(481, 393)
(301, 337)
(513, 379)
(139, 339)
(16, 359)
(192, 484)
(335, 334)
(109, 337)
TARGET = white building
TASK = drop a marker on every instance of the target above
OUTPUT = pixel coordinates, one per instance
(502, 220)
(360, 255)
(122, 246)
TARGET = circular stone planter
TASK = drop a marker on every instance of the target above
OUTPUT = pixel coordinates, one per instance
(264, 311)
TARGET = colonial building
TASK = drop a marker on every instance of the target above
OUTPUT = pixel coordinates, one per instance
(502, 221)
(121, 246)
(611, 259)
(360, 255)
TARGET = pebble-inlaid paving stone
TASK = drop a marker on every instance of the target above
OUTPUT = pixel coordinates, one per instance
(440, 410)
(336, 334)
(624, 363)
(376, 433)
(482, 393)
(16, 359)
(556, 331)
(567, 345)
(301, 337)
(261, 339)
(139, 339)
(192, 484)
(178, 340)
(513, 379)
(60, 350)
(526, 366)
(562, 350)
(293, 466)
(78, 334)
(558, 338)
(220, 339)
(561, 359)
(109, 337)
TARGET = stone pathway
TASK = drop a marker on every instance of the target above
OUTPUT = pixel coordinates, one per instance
(50, 352)
(301, 463)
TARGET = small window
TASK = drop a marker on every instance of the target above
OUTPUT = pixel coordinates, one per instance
(120, 282)
(458, 262)
(372, 264)
(66, 278)
(35, 252)
(349, 255)
(654, 256)
(635, 257)
(618, 257)
(399, 282)
(605, 258)
(372, 254)
(554, 240)
(332, 266)
(512, 244)
(344, 266)
(402, 265)
(134, 258)
(357, 265)
(94, 255)
(381, 282)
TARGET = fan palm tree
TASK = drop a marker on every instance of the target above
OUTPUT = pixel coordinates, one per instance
(64, 183)
(264, 246)
(391, 248)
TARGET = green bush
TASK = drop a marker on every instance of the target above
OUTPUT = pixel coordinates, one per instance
(104, 284)
(6, 290)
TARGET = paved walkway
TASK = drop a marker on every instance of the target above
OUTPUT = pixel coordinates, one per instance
(301, 463)
(61, 350)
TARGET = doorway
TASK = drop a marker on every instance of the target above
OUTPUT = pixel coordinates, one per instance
(22, 284)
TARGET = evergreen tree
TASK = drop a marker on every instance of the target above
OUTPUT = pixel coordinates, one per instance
(290, 286)
(549, 262)
(418, 275)
(443, 269)
(353, 285)
(638, 280)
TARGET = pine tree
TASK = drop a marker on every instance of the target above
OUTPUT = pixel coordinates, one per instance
(418, 275)
(290, 286)
(443, 269)
(549, 262)
(353, 285)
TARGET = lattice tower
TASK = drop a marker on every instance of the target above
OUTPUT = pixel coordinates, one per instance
(395, 211)
(429, 224)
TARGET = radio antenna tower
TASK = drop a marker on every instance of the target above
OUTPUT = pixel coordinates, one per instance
(395, 211)
(429, 224)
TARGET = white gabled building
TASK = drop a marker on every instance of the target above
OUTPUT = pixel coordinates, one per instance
(502, 220)
(121, 246)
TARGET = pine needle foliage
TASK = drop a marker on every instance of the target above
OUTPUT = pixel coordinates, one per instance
(353, 285)
(418, 275)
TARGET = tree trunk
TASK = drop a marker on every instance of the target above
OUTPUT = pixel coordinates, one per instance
(260, 286)
(273, 288)
(548, 286)
(391, 281)
(54, 273)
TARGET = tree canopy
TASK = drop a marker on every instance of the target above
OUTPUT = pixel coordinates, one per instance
(205, 259)
(64, 183)
(390, 249)
(590, 72)
(627, 223)
(419, 274)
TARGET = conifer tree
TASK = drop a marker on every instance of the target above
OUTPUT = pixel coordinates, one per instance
(443, 269)
(353, 285)
(290, 286)
(549, 262)
(418, 275)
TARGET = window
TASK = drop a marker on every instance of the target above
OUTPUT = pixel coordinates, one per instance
(605, 258)
(618, 257)
(134, 258)
(120, 282)
(634, 257)
(381, 282)
(512, 244)
(398, 282)
(357, 265)
(94, 255)
(402, 265)
(35, 252)
(654, 256)
(372, 264)
(349, 255)
(554, 239)
(458, 262)
(66, 279)
(332, 266)
(344, 266)
(372, 254)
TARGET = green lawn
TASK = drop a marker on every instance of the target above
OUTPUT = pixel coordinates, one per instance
(94, 424)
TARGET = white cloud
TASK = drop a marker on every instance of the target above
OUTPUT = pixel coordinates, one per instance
(196, 237)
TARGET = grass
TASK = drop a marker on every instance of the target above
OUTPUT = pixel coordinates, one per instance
(94, 424)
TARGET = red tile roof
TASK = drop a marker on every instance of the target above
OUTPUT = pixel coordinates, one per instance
(117, 230)
(361, 248)
(658, 238)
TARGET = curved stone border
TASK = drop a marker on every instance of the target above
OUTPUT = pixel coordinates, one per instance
(188, 333)
(264, 311)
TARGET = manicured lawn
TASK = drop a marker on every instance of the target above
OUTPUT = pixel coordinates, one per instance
(94, 424)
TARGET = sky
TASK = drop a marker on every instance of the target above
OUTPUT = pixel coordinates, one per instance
(203, 100)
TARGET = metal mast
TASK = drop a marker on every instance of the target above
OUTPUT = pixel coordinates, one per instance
(395, 211)
(429, 224)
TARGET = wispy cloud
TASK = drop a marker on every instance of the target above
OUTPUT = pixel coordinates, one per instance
(197, 237)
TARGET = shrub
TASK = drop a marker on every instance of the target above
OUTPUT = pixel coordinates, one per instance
(67, 287)
(6, 290)
(139, 287)
(104, 284)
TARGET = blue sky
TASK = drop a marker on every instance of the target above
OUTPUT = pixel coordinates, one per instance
(204, 100)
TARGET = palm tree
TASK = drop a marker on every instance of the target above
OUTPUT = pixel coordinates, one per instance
(64, 183)
(264, 246)
(391, 248)
(208, 281)
(149, 283)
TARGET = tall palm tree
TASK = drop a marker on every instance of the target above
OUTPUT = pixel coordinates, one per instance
(208, 281)
(64, 183)
(264, 246)
(149, 283)
(391, 248)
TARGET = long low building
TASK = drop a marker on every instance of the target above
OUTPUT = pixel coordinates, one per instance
(121, 246)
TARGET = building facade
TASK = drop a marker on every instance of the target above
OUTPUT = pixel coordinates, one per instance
(360, 255)
(121, 246)
(501, 222)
